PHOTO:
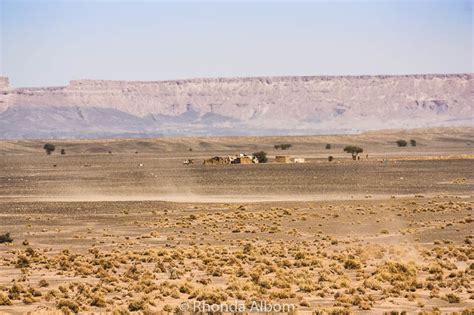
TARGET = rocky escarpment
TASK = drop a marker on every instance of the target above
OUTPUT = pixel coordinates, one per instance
(4, 83)
(264, 105)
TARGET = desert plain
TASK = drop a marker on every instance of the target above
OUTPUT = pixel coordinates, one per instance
(122, 226)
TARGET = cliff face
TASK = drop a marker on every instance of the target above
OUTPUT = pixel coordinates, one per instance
(4, 83)
(267, 105)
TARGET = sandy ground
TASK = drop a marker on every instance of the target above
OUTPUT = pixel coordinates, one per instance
(95, 232)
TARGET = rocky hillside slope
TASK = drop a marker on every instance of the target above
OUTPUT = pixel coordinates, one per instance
(236, 106)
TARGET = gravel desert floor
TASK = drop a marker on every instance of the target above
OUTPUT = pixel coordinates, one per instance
(135, 230)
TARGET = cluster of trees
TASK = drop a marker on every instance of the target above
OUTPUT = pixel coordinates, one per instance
(50, 148)
(403, 143)
(352, 149)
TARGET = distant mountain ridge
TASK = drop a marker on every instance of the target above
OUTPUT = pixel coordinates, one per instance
(236, 106)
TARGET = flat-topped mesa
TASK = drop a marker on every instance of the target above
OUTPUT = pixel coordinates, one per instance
(4, 83)
(252, 105)
(268, 80)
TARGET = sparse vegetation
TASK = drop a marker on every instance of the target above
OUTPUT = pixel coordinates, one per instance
(22, 262)
(4, 299)
(49, 148)
(452, 298)
(63, 151)
(261, 156)
(413, 143)
(352, 264)
(402, 143)
(328, 146)
(68, 305)
(353, 150)
(330, 158)
(243, 268)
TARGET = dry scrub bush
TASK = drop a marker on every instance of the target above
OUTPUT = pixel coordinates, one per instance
(396, 273)
(4, 299)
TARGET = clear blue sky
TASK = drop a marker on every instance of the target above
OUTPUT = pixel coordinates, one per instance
(52, 42)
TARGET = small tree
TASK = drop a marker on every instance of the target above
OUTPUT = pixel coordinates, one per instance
(49, 148)
(328, 146)
(413, 143)
(63, 151)
(354, 150)
(277, 146)
(330, 158)
(261, 156)
(402, 143)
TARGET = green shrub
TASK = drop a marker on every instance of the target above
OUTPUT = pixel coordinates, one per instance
(413, 143)
(261, 156)
(402, 143)
(328, 146)
(5, 238)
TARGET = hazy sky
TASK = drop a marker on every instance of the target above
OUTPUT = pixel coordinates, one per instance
(51, 42)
